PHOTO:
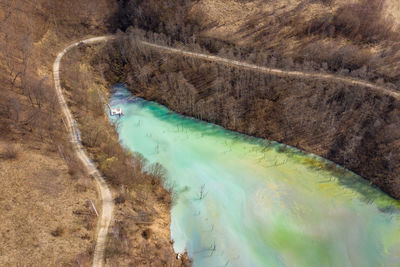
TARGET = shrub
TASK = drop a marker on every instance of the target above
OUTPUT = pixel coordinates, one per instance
(117, 241)
(10, 152)
(74, 168)
(120, 199)
(146, 234)
(59, 231)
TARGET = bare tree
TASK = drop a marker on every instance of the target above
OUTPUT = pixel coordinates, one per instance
(202, 193)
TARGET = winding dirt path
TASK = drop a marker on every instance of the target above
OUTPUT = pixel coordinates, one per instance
(277, 72)
(106, 196)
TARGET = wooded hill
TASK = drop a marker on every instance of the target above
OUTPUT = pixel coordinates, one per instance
(351, 125)
(45, 209)
(355, 38)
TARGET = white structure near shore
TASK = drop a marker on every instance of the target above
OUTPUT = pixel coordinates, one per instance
(115, 111)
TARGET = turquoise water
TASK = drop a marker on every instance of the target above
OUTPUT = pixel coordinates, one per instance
(244, 201)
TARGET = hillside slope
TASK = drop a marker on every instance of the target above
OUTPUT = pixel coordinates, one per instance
(45, 193)
(299, 28)
(352, 125)
(47, 218)
(357, 38)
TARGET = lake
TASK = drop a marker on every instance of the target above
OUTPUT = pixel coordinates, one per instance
(244, 201)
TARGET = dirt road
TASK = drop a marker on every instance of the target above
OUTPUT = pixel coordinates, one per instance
(105, 193)
(277, 72)
(106, 197)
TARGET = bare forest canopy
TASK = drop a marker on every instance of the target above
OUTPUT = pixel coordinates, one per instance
(347, 124)
(350, 125)
(33, 135)
(30, 34)
(43, 188)
(355, 38)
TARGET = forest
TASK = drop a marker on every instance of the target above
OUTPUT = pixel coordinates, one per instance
(353, 39)
(48, 200)
(349, 125)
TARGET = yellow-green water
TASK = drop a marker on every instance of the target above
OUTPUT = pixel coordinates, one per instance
(263, 203)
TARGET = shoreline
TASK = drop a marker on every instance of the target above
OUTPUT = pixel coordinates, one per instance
(315, 161)
(349, 125)
(175, 150)
(154, 231)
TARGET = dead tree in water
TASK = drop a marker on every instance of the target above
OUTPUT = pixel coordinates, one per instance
(212, 249)
(202, 194)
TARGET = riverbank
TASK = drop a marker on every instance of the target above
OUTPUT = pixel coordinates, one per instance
(140, 232)
(348, 124)
(245, 201)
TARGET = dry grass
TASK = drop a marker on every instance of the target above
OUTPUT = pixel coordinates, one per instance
(37, 196)
(362, 22)
(392, 10)
(140, 235)
(37, 192)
